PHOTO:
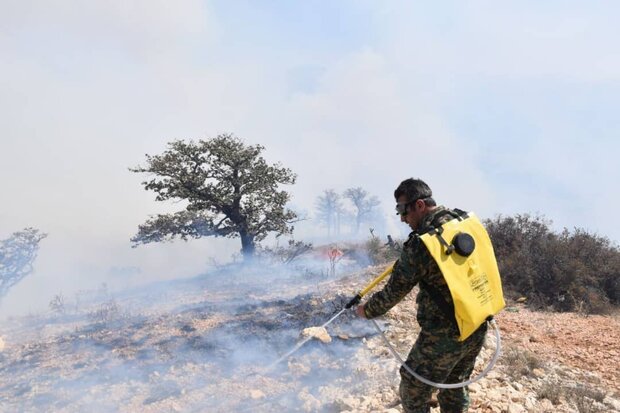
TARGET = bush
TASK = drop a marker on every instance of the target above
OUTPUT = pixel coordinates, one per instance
(287, 254)
(550, 391)
(585, 398)
(565, 271)
(521, 362)
(378, 252)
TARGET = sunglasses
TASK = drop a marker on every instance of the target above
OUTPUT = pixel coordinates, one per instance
(401, 207)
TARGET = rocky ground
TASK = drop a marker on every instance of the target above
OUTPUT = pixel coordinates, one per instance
(212, 344)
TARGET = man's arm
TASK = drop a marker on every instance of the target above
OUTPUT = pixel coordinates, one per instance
(404, 277)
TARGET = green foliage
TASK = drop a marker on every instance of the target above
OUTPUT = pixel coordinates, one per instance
(566, 271)
(229, 188)
(17, 254)
(287, 254)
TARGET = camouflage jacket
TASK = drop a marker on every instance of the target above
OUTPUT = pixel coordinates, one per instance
(415, 266)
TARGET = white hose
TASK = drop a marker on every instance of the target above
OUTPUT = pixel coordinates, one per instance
(498, 348)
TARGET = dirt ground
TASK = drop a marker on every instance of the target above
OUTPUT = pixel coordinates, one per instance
(205, 345)
(589, 343)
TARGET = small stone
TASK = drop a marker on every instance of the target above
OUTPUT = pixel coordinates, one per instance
(515, 408)
(530, 403)
(256, 394)
(494, 395)
(611, 402)
(538, 373)
(298, 368)
(474, 387)
(545, 405)
(320, 333)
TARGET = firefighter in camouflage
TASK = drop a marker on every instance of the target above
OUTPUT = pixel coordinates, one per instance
(437, 354)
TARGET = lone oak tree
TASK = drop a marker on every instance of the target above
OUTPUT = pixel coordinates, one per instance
(230, 190)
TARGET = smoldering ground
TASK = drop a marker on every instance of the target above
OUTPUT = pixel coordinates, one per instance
(201, 344)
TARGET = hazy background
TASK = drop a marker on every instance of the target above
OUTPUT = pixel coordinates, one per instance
(502, 107)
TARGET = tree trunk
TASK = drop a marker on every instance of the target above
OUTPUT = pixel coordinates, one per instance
(247, 245)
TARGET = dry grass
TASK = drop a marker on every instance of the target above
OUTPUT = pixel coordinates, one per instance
(521, 362)
(585, 398)
(550, 391)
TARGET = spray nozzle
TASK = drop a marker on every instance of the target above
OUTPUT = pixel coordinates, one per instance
(354, 301)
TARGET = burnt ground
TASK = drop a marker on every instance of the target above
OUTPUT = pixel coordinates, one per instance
(207, 345)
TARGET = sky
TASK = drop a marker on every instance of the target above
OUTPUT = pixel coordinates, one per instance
(502, 107)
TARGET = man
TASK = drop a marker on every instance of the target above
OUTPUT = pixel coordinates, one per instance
(437, 355)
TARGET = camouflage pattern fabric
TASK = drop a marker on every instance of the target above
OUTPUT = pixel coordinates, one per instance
(437, 354)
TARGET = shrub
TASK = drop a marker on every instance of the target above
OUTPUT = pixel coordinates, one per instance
(521, 362)
(585, 398)
(378, 252)
(564, 271)
(287, 254)
(550, 391)
(57, 304)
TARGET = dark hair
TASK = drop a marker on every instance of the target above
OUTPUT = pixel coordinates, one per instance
(415, 189)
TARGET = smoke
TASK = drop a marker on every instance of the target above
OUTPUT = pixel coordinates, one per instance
(195, 344)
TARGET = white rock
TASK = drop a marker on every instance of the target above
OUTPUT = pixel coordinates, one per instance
(530, 403)
(545, 405)
(310, 403)
(495, 395)
(516, 408)
(474, 387)
(256, 394)
(320, 333)
(611, 402)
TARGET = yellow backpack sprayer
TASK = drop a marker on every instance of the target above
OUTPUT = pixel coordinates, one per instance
(469, 267)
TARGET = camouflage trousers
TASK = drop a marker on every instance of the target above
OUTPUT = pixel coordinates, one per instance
(438, 356)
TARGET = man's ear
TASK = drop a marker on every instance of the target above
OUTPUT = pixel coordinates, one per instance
(420, 203)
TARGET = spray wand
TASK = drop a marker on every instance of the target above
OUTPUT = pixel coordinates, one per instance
(356, 300)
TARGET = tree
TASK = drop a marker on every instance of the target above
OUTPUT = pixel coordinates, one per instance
(230, 190)
(17, 254)
(329, 209)
(363, 203)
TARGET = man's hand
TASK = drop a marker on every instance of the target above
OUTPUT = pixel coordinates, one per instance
(359, 310)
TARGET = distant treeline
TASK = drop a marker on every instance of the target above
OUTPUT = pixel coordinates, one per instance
(567, 271)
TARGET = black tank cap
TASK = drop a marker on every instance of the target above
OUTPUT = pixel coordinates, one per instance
(464, 244)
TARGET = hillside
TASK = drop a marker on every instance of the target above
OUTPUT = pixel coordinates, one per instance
(206, 344)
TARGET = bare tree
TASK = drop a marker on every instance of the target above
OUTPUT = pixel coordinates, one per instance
(17, 254)
(329, 210)
(363, 203)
